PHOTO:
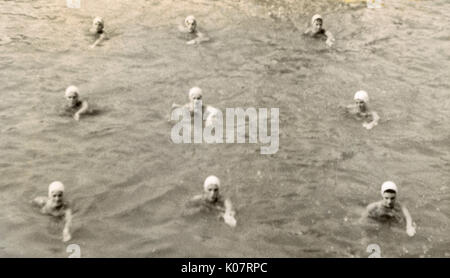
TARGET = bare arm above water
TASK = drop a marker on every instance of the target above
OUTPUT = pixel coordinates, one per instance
(200, 38)
(374, 122)
(410, 225)
(228, 215)
(330, 38)
(83, 110)
(99, 40)
(39, 201)
(68, 224)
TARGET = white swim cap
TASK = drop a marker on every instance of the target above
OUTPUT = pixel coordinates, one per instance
(388, 185)
(211, 180)
(71, 90)
(55, 186)
(195, 91)
(316, 17)
(361, 95)
(99, 20)
(189, 18)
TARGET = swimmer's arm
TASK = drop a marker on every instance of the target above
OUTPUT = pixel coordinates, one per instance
(200, 38)
(84, 109)
(410, 226)
(351, 110)
(99, 40)
(307, 31)
(67, 225)
(375, 117)
(40, 201)
(370, 208)
(195, 201)
(330, 38)
(229, 207)
(228, 215)
(182, 29)
(374, 122)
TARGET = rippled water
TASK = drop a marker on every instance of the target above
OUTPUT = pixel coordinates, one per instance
(129, 183)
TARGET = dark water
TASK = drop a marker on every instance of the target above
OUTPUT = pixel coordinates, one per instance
(129, 183)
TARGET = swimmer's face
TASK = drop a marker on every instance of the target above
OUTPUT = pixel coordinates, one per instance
(212, 192)
(98, 26)
(317, 25)
(72, 98)
(361, 105)
(389, 199)
(196, 101)
(56, 198)
(191, 25)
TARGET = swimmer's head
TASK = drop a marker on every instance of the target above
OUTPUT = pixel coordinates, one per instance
(389, 193)
(361, 99)
(56, 193)
(211, 188)
(317, 22)
(72, 95)
(195, 96)
(191, 23)
(98, 24)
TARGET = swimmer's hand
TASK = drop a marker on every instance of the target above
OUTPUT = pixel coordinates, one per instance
(194, 41)
(330, 42)
(368, 125)
(66, 235)
(411, 230)
(76, 116)
(229, 219)
(330, 38)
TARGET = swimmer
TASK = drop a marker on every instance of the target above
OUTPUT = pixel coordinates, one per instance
(213, 200)
(390, 210)
(361, 110)
(316, 30)
(195, 106)
(98, 31)
(55, 205)
(74, 105)
(190, 27)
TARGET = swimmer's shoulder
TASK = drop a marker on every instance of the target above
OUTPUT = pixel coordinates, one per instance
(398, 207)
(373, 209)
(83, 102)
(40, 201)
(196, 201)
(351, 109)
(307, 32)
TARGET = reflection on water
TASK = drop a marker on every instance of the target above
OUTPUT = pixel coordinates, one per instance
(129, 182)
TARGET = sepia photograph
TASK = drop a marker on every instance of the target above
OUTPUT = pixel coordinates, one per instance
(225, 129)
